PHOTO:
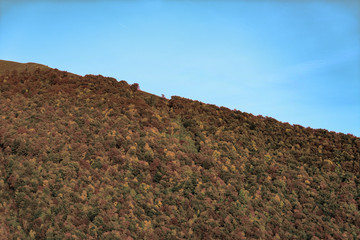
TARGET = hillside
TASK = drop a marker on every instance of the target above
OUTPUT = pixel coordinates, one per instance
(11, 66)
(93, 158)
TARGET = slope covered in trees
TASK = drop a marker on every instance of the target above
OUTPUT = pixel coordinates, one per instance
(8, 66)
(93, 158)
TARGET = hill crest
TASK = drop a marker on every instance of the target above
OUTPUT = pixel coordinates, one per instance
(11, 66)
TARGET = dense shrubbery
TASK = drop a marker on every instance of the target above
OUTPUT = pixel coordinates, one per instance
(92, 158)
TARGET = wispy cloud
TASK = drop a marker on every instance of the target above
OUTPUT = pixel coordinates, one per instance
(325, 62)
(123, 26)
(309, 66)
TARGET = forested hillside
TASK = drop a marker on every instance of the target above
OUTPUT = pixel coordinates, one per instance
(93, 158)
(8, 66)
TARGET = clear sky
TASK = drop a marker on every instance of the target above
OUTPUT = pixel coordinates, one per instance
(296, 61)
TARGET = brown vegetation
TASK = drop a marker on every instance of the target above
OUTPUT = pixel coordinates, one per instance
(8, 66)
(93, 158)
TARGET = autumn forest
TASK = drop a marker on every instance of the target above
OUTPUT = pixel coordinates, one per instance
(90, 157)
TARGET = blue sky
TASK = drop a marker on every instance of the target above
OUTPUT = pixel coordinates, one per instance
(296, 61)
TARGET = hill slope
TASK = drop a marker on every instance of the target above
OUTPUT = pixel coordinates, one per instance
(92, 158)
(11, 66)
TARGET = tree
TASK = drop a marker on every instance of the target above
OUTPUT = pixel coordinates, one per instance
(135, 87)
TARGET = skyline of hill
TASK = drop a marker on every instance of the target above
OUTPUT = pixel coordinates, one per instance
(90, 157)
(10, 66)
(6, 65)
